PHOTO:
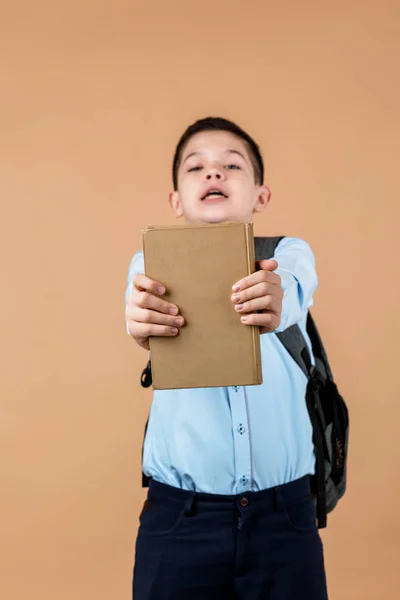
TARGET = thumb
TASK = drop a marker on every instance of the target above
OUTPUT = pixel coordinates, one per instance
(268, 265)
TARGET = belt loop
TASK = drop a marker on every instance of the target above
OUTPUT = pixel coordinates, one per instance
(279, 502)
(190, 505)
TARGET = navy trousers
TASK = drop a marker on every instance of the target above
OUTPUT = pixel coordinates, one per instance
(253, 546)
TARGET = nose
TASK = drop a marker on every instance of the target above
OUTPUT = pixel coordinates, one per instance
(214, 173)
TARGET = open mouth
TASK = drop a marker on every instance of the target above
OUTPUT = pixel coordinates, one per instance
(214, 194)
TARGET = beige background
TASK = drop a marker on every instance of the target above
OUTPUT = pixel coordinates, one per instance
(94, 95)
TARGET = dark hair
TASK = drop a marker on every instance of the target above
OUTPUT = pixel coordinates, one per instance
(218, 124)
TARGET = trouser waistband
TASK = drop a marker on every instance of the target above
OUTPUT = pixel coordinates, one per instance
(286, 492)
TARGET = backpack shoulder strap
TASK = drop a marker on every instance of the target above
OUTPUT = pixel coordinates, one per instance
(265, 246)
(321, 358)
(294, 342)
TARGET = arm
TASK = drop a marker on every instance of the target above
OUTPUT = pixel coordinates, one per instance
(296, 268)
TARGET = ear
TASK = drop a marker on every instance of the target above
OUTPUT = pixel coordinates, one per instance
(263, 198)
(175, 204)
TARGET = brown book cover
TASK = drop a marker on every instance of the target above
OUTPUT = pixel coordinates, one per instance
(199, 264)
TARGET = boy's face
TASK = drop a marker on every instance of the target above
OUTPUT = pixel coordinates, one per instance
(216, 181)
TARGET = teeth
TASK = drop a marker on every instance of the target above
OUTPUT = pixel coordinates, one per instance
(214, 193)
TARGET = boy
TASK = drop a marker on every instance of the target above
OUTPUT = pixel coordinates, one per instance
(229, 512)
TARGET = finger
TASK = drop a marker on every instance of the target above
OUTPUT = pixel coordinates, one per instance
(268, 265)
(146, 330)
(144, 315)
(144, 283)
(268, 321)
(148, 300)
(255, 278)
(143, 342)
(268, 303)
(264, 288)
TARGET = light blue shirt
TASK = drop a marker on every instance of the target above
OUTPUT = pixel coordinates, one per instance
(239, 439)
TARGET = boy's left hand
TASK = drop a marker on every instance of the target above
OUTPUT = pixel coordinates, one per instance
(259, 297)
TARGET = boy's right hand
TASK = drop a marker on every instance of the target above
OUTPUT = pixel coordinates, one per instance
(149, 315)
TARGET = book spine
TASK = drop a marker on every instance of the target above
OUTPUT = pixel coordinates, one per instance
(251, 268)
(154, 367)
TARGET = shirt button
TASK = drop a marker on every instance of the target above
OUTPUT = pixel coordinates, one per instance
(244, 502)
(236, 388)
(241, 429)
(243, 480)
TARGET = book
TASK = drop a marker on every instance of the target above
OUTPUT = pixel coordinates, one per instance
(198, 265)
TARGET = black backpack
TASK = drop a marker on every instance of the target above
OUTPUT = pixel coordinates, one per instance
(326, 407)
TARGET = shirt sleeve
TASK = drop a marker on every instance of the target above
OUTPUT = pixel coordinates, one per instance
(296, 267)
(136, 266)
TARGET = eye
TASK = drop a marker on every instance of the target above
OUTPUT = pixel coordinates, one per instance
(232, 167)
(194, 169)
